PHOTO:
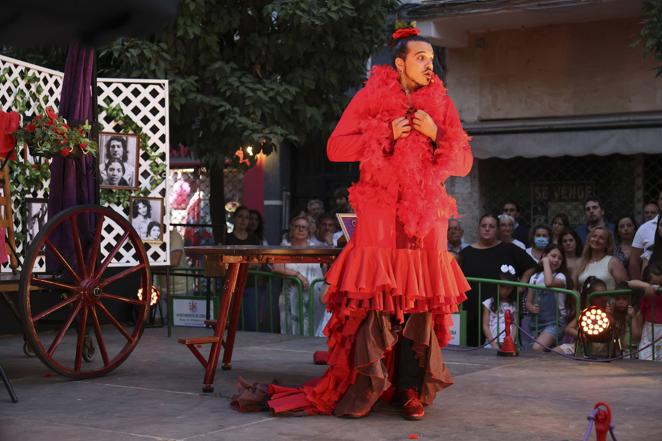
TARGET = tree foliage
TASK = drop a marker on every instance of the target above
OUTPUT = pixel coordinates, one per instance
(256, 72)
(651, 31)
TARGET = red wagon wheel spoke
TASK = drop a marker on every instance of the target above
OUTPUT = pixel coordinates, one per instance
(111, 255)
(60, 335)
(105, 282)
(78, 246)
(62, 260)
(91, 305)
(137, 302)
(53, 284)
(54, 308)
(99, 336)
(114, 321)
(95, 245)
(82, 330)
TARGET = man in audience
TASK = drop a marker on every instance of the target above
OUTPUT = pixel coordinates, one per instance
(455, 233)
(326, 226)
(643, 243)
(650, 211)
(595, 217)
(314, 208)
(521, 229)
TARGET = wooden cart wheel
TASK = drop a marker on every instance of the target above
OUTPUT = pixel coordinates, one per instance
(92, 293)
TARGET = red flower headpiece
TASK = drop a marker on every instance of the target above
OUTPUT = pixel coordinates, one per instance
(404, 33)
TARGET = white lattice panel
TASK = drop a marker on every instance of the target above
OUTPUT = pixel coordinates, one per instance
(144, 101)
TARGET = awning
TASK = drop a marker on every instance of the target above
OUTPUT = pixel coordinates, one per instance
(578, 136)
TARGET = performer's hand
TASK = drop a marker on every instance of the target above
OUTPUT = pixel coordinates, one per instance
(401, 128)
(425, 124)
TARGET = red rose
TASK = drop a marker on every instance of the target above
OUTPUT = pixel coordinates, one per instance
(65, 152)
(30, 128)
(82, 145)
(51, 113)
(404, 33)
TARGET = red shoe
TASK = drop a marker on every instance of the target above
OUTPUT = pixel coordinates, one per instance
(412, 408)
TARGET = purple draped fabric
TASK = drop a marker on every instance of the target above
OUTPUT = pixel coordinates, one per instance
(73, 180)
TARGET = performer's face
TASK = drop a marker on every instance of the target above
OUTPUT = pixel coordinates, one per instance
(416, 69)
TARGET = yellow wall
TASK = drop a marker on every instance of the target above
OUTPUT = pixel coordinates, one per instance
(556, 70)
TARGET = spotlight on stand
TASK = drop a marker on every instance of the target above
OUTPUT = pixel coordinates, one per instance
(596, 326)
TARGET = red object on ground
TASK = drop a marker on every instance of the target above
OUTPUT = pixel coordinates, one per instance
(508, 348)
(321, 357)
(413, 436)
(602, 421)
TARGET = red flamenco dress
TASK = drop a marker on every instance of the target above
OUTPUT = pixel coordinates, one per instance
(397, 262)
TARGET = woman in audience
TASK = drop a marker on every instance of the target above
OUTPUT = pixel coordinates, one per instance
(506, 227)
(572, 247)
(240, 234)
(559, 223)
(598, 260)
(290, 309)
(624, 231)
(256, 225)
(540, 238)
(478, 260)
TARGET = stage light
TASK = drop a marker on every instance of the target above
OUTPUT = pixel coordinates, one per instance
(156, 295)
(595, 323)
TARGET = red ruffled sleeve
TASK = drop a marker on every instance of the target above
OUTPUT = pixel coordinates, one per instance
(347, 142)
(453, 151)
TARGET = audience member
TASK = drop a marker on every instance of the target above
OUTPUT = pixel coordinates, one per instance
(326, 227)
(572, 250)
(656, 249)
(314, 208)
(288, 302)
(506, 227)
(650, 211)
(598, 260)
(256, 225)
(240, 234)
(478, 260)
(642, 244)
(625, 229)
(560, 222)
(540, 238)
(455, 241)
(651, 312)
(494, 310)
(341, 199)
(546, 309)
(175, 284)
(595, 217)
(521, 231)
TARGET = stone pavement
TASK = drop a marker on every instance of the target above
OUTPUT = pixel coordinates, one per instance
(156, 395)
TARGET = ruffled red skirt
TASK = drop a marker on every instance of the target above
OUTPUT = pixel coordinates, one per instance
(380, 276)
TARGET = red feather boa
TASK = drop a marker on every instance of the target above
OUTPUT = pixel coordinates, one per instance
(411, 179)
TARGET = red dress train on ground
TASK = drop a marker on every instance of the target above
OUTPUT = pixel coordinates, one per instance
(397, 262)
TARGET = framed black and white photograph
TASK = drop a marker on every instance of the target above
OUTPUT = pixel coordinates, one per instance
(36, 215)
(119, 164)
(146, 216)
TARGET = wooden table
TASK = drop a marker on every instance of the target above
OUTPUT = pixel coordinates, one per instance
(235, 260)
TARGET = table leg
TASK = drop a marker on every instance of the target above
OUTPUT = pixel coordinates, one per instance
(234, 317)
(219, 330)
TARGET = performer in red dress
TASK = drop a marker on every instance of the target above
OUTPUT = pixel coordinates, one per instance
(394, 286)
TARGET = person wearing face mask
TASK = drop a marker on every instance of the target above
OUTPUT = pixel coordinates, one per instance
(540, 238)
